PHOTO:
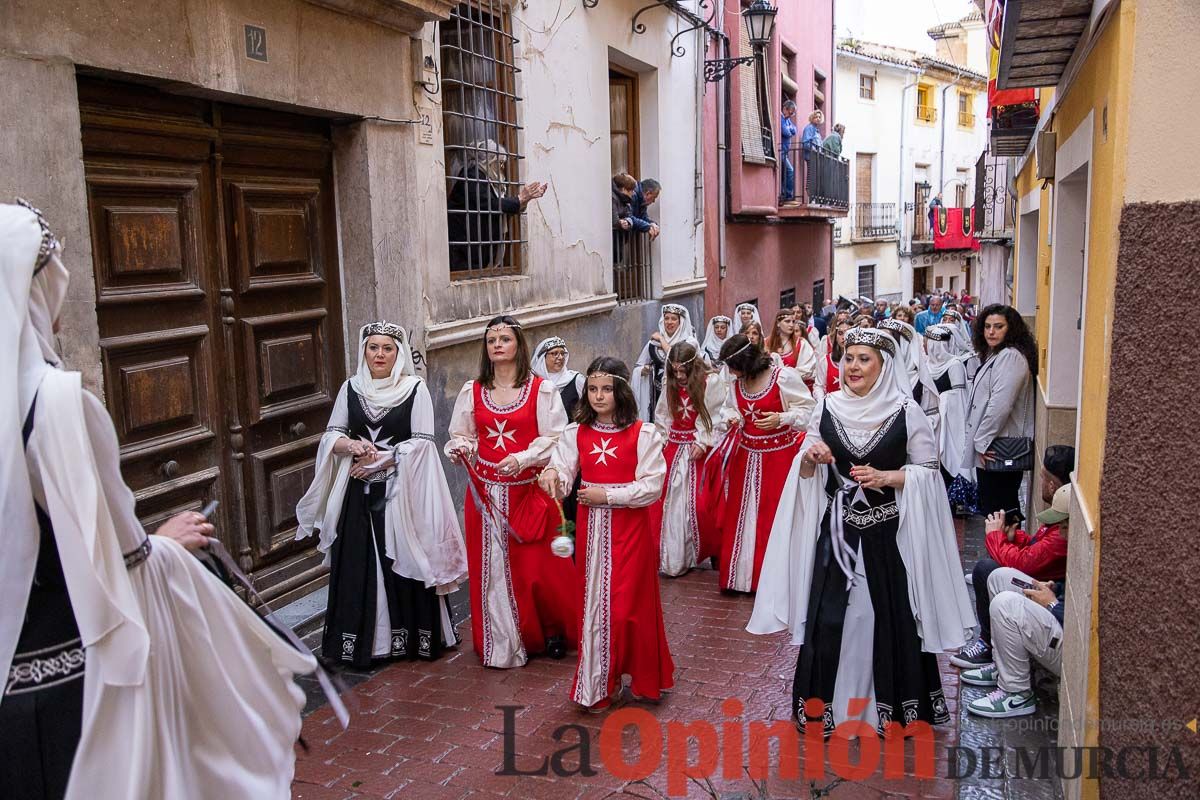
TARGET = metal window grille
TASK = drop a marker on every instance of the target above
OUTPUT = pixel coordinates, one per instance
(866, 280)
(482, 140)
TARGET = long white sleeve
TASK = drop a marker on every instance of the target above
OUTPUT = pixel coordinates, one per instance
(716, 390)
(797, 400)
(463, 435)
(321, 506)
(662, 414)
(649, 476)
(552, 419)
(820, 378)
(806, 361)
(564, 458)
(922, 444)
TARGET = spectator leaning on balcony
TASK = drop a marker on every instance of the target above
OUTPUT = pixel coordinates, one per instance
(786, 134)
(644, 196)
(931, 315)
(623, 187)
(478, 204)
(1024, 623)
(833, 142)
(934, 205)
(1043, 555)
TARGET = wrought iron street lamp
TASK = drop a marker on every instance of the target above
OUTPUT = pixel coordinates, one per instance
(760, 27)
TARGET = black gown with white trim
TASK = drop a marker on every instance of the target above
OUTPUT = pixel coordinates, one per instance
(907, 685)
(360, 567)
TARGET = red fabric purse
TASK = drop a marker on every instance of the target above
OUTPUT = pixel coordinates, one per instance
(531, 513)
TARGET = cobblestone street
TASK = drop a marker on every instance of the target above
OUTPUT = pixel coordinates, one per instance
(434, 731)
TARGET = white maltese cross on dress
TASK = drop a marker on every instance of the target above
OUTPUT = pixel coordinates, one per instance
(686, 409)
(603, 450)
(499, 434)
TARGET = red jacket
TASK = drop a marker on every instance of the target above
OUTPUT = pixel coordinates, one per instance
(1043, 557)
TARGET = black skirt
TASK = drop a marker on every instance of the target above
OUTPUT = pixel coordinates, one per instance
(414, 611)
(907, 683)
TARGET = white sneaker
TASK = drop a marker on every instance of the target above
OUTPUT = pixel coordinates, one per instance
(1000, 704)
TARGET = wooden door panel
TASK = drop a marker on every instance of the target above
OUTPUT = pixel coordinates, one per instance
(146, 232)
(281, 477)
(287, 355)
(281, 245)
(158, 390)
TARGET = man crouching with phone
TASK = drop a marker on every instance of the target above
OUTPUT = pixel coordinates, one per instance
(1026, 617)
(1042, 555)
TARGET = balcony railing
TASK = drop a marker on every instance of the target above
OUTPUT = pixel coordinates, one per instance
(633, 266)
(874, 221)
(927, 113)
(995, 205)
(966, 119)
(822, 179)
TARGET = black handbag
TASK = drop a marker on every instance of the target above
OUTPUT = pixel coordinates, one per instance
(1012, 453)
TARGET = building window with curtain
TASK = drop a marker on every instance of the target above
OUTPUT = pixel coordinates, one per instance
(482, 155)
(757, 130)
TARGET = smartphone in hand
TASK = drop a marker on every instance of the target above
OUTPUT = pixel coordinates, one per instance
(1013, 516)
(1021, 584)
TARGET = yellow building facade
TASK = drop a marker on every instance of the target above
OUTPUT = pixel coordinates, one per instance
(1108, 221)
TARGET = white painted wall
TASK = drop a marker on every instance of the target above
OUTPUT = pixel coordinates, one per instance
(871, 127)
(563, 52)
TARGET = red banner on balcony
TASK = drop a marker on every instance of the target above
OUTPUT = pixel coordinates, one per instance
(954, 229)
(998, 98)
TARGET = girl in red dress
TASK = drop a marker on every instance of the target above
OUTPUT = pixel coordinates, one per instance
(772, 406)
(504, 425)
(828, 377)
(686, 418)
(791, 349)
(619, 458)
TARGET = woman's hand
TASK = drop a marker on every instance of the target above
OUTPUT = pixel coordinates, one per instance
(190, 529)
(698, 452)
(986, 457)
(870, 478)
(460, 453)
(818, 453)
(769, 421)
(548, 482)
(509, 466)
(593, 496)
(531, 191)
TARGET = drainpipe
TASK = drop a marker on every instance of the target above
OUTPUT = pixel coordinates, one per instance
(900, 197)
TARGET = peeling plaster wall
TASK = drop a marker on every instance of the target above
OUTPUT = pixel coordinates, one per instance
(563, 53)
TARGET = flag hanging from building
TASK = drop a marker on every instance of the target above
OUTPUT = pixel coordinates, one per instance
(954, 229)
(999, 98)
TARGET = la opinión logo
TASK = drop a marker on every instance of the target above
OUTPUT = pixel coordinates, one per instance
(722, 747)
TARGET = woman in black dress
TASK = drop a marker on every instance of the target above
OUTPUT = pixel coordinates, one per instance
(550, 359)
(862, 564)
(380, 502)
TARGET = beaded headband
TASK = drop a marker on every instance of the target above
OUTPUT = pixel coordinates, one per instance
(740, 349)
(607, 375)
(898, 326)
(685, 362)
(722, 318)
(871, 338)
(939, 333)
(551, 344)
(672, 308)
(384, 329)
(499, 326)
(750, 306)
(49, 243)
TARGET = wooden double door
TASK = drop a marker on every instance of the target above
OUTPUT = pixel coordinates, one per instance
(217, 293)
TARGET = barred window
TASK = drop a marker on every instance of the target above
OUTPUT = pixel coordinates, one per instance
(479, 119)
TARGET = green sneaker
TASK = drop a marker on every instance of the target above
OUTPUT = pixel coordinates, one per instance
(984, 676)
(1000, 704)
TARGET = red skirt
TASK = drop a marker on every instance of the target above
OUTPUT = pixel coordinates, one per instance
(540, 587)
(754, 482)
(621, 630)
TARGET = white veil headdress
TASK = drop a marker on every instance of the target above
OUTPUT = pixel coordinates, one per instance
(737, 319)
(684, 333)
(711, 347)
(869, 411)
(561, 378)
(396, 387)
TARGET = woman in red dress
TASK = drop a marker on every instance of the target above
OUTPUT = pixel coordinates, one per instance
(772, 406)
(686, 417)
(619, 458)
(828, 378)
(791, 349)
(504, 425)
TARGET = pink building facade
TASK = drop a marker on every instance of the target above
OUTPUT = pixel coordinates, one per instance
(757, 247)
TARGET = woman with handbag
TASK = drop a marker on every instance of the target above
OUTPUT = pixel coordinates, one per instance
(999, 425)
(504, 425)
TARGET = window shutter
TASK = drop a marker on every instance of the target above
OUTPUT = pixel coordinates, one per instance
(751, 117)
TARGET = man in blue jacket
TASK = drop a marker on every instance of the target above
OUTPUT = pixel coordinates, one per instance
(786, 135)
(645, 195)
